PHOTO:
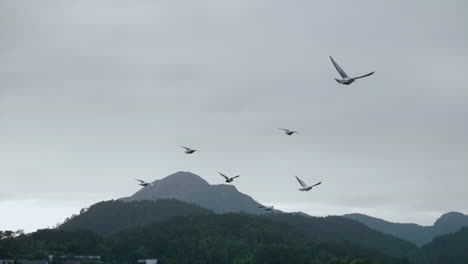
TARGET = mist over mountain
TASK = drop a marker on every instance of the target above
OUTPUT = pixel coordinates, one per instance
(420, 235)
(191, 188)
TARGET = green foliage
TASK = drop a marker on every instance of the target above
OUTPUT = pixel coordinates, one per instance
(339, 229)
(209, 238)
(112, 216)
(41, 243)
(109, 217)
(447, 249)
(177, 232)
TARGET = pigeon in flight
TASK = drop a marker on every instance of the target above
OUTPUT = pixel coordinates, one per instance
(143, 183)
(288, 132)
(268, 208)
(304, 185)
(347, 80)
(228, 180)
(188, 150)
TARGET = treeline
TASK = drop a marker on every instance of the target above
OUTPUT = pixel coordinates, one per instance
(177, 232)
(112, 216)
(229, 238)
(447, 249)
(109, 217)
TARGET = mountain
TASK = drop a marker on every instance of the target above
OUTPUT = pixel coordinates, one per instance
(191, 188)
(203, 238)
(447, 249)
(237, 238)
(109, 217)
(420, 235)
(340, 229)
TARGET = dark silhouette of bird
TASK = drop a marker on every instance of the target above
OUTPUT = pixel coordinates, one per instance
(288, 132)
(189, 150)
(228, 180)
(143, 183)
(268, 208)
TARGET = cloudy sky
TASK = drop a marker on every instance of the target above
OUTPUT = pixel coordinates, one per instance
(96, 93)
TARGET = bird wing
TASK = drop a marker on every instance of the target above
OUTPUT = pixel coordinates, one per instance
(339, 69)
(316, 184)
(284, 129)
(185, 148)
(140, 181)
(225, 177)
(365, 75)
(237, 176)
(303, 184)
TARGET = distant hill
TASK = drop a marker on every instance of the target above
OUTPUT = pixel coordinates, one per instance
(208, 239)
(420, 235)
(447, 249)
(108, 217)
(239, 238)
(340, 229)
(191, 188)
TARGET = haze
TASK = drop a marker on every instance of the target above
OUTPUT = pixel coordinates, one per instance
(96, 93)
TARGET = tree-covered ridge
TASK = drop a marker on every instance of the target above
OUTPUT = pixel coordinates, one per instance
(447, 249)
(229, 238)
(336, 229)
(112, 216)
(420, 235)
(184, 233)
(232, 238)
(40, 244)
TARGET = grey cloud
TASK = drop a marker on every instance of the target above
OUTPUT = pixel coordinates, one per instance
(103, 91)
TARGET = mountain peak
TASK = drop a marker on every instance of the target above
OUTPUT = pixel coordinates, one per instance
(191, 188)
(451, 218)
(183, 177)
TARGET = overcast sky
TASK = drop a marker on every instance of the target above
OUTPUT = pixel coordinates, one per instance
(96, 93)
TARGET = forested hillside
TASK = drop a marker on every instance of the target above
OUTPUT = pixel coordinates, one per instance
(229, 238)
(111, 216)
(335, 228)
(447, 249)
(420, 235)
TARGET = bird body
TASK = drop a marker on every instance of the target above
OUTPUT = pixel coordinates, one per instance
(345, 79)
(188, 150)
(143, 183)
(288, 132)
(305, 187)
(268, 208)
(228, 179)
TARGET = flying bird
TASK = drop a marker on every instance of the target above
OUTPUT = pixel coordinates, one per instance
(228, 180)
(143, 183)
(304, 185)
(345, 79)
(188, 150)
(288, 132)
(268, 208)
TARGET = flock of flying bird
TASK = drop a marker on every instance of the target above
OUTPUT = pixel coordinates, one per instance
(345, 79)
